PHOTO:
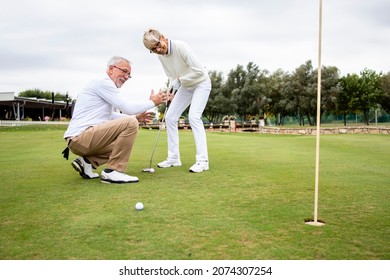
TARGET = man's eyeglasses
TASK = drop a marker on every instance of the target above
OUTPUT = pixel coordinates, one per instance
(124, 71)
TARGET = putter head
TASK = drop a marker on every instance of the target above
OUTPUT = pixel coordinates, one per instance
(149, 169)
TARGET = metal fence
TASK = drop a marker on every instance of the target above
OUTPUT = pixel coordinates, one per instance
(22, 123)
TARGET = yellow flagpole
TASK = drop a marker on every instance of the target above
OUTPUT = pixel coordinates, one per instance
(317, 169)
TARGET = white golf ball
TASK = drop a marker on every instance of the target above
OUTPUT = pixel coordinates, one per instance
(151, 170)
(139, 206)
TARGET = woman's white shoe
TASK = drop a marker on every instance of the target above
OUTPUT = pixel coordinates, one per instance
(199, 167)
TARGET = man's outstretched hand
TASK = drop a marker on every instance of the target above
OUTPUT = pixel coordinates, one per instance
(158, 98)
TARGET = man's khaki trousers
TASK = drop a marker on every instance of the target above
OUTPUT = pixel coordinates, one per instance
(110, 142)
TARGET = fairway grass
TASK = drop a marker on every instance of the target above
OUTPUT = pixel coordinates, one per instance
(251, 204)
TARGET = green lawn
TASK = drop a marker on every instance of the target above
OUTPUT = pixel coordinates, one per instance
(250, 205)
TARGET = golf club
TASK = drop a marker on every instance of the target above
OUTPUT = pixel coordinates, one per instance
(150, 169)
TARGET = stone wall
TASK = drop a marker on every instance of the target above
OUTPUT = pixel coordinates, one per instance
(308, 130)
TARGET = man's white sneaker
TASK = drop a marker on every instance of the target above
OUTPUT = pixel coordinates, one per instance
(117, 177)
(199, 167)
(169, 163)
(84, 168)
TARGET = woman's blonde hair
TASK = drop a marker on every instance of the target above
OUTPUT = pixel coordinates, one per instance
(151, 38)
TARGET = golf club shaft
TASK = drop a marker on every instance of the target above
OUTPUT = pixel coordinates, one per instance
(158, 136)
(159, 131)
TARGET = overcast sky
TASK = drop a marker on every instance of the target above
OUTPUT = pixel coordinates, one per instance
(59, 45)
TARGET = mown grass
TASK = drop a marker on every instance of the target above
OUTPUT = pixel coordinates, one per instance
(250, 205)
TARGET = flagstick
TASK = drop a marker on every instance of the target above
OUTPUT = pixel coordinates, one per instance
(316, 222)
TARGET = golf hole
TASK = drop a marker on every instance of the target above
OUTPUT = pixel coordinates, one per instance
(314, 223)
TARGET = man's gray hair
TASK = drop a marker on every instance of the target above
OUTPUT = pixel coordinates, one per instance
(116, 59)
(151, 38)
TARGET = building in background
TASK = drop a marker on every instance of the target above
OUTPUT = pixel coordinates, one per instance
(27, 108)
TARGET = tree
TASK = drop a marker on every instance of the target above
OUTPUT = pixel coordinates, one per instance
(218, 103)
(40, 94)
(233, 88)
(249, 93)
(305, 90)
(368, 93)
(385, 87)
(261, 94)
(281, 99)
(349, 88)
(36, 93)
(330, 88)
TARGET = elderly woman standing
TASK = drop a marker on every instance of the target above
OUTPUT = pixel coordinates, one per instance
(188, 76)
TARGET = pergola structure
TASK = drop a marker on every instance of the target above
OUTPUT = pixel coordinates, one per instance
(20, 108)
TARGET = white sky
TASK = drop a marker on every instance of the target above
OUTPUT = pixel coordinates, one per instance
(59, 45)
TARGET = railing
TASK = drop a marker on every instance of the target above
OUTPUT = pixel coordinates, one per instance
(21, 123)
